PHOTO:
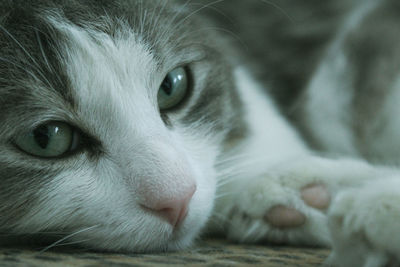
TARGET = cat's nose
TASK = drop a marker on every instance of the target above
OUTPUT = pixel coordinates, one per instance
(172, 209)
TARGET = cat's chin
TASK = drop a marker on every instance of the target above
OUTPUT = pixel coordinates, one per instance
(155, 235)
(167, 239)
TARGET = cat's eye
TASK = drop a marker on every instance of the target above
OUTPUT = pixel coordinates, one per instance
(49, 140)
(173, 89)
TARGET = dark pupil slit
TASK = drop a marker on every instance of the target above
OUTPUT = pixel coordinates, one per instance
(42, 136)
(167, 85)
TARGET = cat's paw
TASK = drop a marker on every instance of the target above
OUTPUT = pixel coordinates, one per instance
(283, 217)
(288, 205)
(365, 225)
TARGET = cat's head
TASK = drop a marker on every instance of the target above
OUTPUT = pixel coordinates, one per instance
(112, 117)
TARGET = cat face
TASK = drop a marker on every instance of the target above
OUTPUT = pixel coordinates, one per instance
(113, 116)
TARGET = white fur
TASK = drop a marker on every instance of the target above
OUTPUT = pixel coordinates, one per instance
(272, 137)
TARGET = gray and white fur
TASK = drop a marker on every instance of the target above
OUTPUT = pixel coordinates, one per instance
(308, 101)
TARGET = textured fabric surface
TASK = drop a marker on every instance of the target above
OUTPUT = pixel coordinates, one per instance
(207, 253)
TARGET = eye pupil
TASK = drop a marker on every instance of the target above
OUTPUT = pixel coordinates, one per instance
(49, 140)
(173, 89)
(42, 136)
(167, 85)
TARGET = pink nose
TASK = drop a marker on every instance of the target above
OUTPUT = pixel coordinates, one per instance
(172, 209)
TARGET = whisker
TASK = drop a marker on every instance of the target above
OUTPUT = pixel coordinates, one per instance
(73, 242)
(239, 168)
(221, 220)
(42, 50)
(39, 69)
(19, 45)
(226, 182)
(219, 12)
(197, 11)
(280, 9)
(68, 236)
(179, 23)
(224, 195)
(20, 67)
(172, 20)
(235, 157)
(49, 66)
(158, 16)
(34, 233)
(234, 35)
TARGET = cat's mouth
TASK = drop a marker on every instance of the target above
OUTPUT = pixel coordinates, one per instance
(182, 216)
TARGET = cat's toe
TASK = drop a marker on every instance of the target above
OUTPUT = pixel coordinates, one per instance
(316, 196)
(364, 225)
(283, 217)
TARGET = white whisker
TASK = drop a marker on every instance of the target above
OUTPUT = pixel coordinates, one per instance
(162, 35)
(280, 9)
(224, 195)
(25, 51)
(68, 236)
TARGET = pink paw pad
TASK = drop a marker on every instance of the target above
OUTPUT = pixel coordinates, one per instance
(280, 216)
(316, 196)
(284, 217)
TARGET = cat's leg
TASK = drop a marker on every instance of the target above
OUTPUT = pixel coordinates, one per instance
(365, 225)
(361, 224)
(288, 202)
(276, 191)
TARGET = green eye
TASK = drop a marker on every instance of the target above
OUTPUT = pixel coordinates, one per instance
(49, 140)
(173, 89)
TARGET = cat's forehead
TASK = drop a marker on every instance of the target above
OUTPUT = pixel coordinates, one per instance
(110, 76)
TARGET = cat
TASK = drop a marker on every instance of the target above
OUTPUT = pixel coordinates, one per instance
(134, 126)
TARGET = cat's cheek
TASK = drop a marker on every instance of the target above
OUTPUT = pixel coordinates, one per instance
(76, 198)
(93, 202)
